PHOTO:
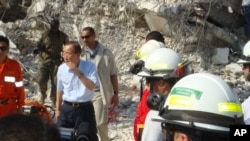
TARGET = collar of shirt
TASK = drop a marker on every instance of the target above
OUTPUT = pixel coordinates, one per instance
(92, 52)
(7, 62)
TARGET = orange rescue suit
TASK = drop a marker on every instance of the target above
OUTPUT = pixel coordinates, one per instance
(11, 87)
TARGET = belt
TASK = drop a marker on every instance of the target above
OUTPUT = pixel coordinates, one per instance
(7, 101)
(75, 104)
(4, 101)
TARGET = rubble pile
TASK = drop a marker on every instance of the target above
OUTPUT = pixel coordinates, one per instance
(206, 32)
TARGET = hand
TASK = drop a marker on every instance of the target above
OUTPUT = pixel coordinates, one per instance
(57, 114)
(114, 101)
(72, 66)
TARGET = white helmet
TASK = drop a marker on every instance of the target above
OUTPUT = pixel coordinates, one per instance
(147, 48)
(202, 101)
(245, 58)
(162, 62)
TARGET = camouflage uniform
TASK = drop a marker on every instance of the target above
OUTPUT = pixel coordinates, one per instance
(49, 60)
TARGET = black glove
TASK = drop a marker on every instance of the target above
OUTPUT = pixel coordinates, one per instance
(137, 67)
(35, 51)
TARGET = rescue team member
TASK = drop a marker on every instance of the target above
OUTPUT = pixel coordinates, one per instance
(11, 82)
(76, 81)
(200, 107)
(162, 67)
(154, 40)
(49, 49)
(245, 61)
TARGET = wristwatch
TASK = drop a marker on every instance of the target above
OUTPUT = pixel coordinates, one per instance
(115, 92)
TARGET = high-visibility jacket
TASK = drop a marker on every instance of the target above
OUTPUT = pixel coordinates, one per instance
(11, 87)
(141, 113)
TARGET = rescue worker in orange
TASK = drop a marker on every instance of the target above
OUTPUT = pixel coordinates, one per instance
(11, 82)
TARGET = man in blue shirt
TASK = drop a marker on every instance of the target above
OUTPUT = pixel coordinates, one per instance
(76, 81)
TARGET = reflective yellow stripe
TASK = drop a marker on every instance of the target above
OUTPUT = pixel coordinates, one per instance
(159, 66)
(9, 79)
(138, 54)
(230, 107)
(140, 125)
(180, 101)
(19, 84)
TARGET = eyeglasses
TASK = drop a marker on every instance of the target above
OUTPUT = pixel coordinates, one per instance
(3, 48)
(66, 54)
(85, 37)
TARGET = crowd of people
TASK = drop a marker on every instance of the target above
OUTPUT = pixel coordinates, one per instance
(176, 104)
(84, 83)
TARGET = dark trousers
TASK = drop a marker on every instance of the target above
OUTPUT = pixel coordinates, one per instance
(246, 19)
(72, 117)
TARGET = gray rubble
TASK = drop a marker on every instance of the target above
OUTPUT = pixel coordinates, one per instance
(206, 32)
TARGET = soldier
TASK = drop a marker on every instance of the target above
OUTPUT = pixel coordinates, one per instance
(50, 47)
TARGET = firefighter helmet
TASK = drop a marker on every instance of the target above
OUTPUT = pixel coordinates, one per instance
(164, 63)
(202, 101)
(245, 57)
(147, 48)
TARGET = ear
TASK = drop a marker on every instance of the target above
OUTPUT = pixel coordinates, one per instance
(184, 137)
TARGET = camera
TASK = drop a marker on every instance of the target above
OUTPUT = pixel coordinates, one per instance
(78, 134)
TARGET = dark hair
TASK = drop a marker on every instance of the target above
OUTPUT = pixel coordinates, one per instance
(90, 29)
(76, 46)
(27, 128)
(5, 40)
(155, 35)
(172, 80)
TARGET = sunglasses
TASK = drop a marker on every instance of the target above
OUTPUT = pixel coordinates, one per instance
(3, 48)
(85, 37)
